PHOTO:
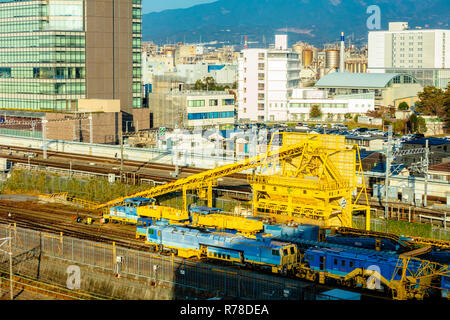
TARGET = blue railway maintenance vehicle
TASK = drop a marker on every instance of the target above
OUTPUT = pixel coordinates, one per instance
(128, 212)
(405, 277)
(261, 253)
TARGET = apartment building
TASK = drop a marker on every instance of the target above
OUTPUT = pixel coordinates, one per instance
(266, 78)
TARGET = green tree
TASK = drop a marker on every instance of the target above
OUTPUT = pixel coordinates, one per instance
(210, 84)
(412, 123)
(315, 112)
(421, 125)
(199, 85)
(403, 106)
(432, 102)
(399, 126)
(348, 116)
(447, 104)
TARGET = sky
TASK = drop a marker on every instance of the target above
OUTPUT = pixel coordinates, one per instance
(160, 5)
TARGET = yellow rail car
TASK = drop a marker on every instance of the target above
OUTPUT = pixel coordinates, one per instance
(223, 222)
(162, 212)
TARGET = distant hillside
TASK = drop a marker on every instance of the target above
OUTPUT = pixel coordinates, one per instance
(315, 21)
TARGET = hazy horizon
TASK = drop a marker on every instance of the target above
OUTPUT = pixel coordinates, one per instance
(149, 6)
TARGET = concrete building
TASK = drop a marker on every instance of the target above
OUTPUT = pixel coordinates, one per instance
(188, 109)
(69, 51)
(423, 53)
(387, 87)
(222, 74)
(299, 105)
(440, 172)
(266, 79)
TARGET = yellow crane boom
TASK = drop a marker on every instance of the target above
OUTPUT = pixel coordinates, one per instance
(207, 178)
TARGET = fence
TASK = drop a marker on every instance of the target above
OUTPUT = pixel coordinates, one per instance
(219, 280)
(383, 226)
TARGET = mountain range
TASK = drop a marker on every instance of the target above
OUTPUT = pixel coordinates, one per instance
(313, 21)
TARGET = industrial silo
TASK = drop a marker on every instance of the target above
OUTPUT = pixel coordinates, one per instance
(332, 59)
(307, 57)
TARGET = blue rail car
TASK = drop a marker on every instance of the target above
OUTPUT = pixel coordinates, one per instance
(289, 233)
(276, 256)
(365, 242)
(127, 212)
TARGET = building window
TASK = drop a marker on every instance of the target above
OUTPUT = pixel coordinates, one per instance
(228, 102)
(196, 103)
(213, 102)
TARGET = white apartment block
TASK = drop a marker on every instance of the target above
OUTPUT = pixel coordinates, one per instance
(265, 81)
(424, 53)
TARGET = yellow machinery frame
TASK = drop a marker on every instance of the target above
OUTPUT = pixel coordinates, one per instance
(314, 187)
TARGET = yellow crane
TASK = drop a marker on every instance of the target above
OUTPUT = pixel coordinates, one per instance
(309, 178)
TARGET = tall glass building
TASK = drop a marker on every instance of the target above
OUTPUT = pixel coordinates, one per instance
(54, 52)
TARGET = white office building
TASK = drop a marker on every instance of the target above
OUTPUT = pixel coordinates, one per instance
(423, 53)
(266, 78)
(333, 109)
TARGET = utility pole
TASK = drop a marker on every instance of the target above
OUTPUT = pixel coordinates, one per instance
(3, 242)
(11, 293)
(426, 164)
(121, 155)
(388, 171)
(44, 137)
(91, 131)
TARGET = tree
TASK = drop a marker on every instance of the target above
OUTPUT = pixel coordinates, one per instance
(447, 104)
(348, 116)
(199, 85)
(399, 125)
(421, 125)
(315, 112)
(209, 84)
(432, 102)
(412, 123)
(403, 106)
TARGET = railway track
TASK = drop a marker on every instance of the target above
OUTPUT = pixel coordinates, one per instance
(49, 221)
(22, 283)
(101, 160)
(56, 220)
